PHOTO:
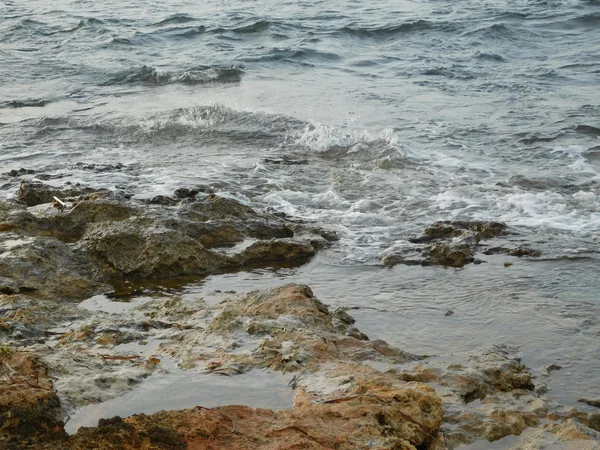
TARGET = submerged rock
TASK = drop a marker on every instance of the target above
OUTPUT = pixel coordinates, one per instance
(455, 243)
(476, 229)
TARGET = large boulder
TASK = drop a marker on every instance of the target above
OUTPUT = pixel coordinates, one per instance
(223, 217)
(68, 224)
(134, 248)
(46, 268)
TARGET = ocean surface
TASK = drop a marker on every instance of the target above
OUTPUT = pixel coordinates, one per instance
(373, 118)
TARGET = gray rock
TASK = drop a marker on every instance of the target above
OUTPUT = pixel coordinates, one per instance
(132, 248)
(68, 224)
(595, 403)
(448, 254)
(48, 268)
(8, 286)
(280, 252)
(33, 193)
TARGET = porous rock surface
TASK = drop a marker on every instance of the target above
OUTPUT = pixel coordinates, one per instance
(350, 391)
(70, 249)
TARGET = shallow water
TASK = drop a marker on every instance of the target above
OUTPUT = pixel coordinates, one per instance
(374, 119)
(187, 389)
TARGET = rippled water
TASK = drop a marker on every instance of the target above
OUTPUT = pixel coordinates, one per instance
(374, 118)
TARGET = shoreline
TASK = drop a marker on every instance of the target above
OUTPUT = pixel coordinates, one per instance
(58, 253)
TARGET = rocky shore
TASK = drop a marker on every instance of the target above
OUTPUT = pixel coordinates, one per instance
(66, 252)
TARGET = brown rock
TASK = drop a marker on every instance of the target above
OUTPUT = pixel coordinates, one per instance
(30, 411)
(507, 423)
(377, 417)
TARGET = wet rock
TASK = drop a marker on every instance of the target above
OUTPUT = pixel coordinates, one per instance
(287, 301)
(20, 172)
(279, 252)
(506, 423)
(33, 193)
(291, 330)
(519, 252)
(381, 419)
(268, 229)
(591, 420)
(48, 268)
(132, 248)
(447, 230)
(454, 244)
(214, 207)
(215, 215)
(8, 286)
(285, 160)
(524, 252)
(451, 255)
(570, 434)
(594, 403)
(573, 429)
(209, 234)
(69, 223)
(30, 411)
(192, 192)
(100, 168)
(162, 200)
(6, 208)
(75, 221)
(341, 403)
(395, 259)
(488, 397)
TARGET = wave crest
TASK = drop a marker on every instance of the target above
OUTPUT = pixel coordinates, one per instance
(198, 75)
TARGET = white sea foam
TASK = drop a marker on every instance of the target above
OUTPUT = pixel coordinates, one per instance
(551, 210)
